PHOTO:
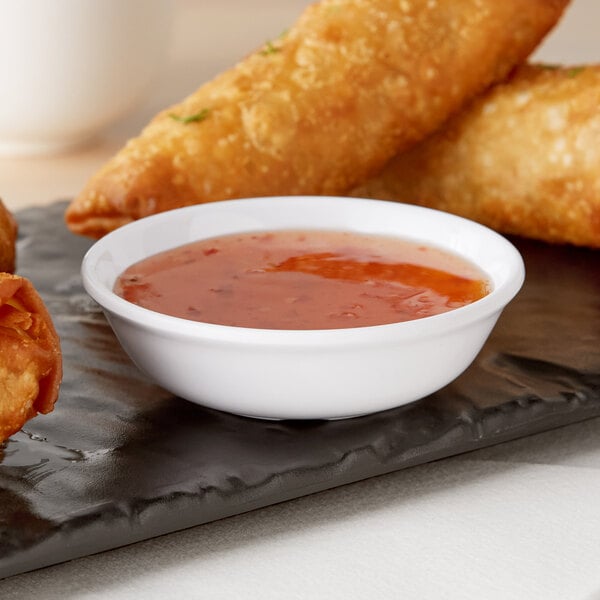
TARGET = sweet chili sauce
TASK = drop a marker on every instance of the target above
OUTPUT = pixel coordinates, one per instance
(309, 279)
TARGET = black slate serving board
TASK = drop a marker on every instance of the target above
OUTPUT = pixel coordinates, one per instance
(121, 460)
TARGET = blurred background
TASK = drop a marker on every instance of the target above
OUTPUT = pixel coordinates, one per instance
(205, 37)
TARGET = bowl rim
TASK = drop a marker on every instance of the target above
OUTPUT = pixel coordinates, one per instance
(171, 326)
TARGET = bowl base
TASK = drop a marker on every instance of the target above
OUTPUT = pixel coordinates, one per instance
(31, 148)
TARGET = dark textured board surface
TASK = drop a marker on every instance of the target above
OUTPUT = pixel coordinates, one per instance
(121, 460)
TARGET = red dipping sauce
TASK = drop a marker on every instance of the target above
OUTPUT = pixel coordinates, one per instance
(302, 280)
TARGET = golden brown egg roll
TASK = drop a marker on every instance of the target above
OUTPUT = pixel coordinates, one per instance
(30, 355)
(8, 238)
(524, 159)
(319, 109)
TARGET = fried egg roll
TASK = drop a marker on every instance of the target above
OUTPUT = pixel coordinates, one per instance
(524, 159)
(8, 238)
(30, 356)
(320, 108)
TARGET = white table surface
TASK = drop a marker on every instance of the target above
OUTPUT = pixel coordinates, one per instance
(517, 521)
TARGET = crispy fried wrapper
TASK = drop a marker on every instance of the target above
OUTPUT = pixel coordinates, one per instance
(318, 109)
(8, 238)
(523, 159)
(30, 356)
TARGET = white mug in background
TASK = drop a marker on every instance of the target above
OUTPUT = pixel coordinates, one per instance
(70, 68)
